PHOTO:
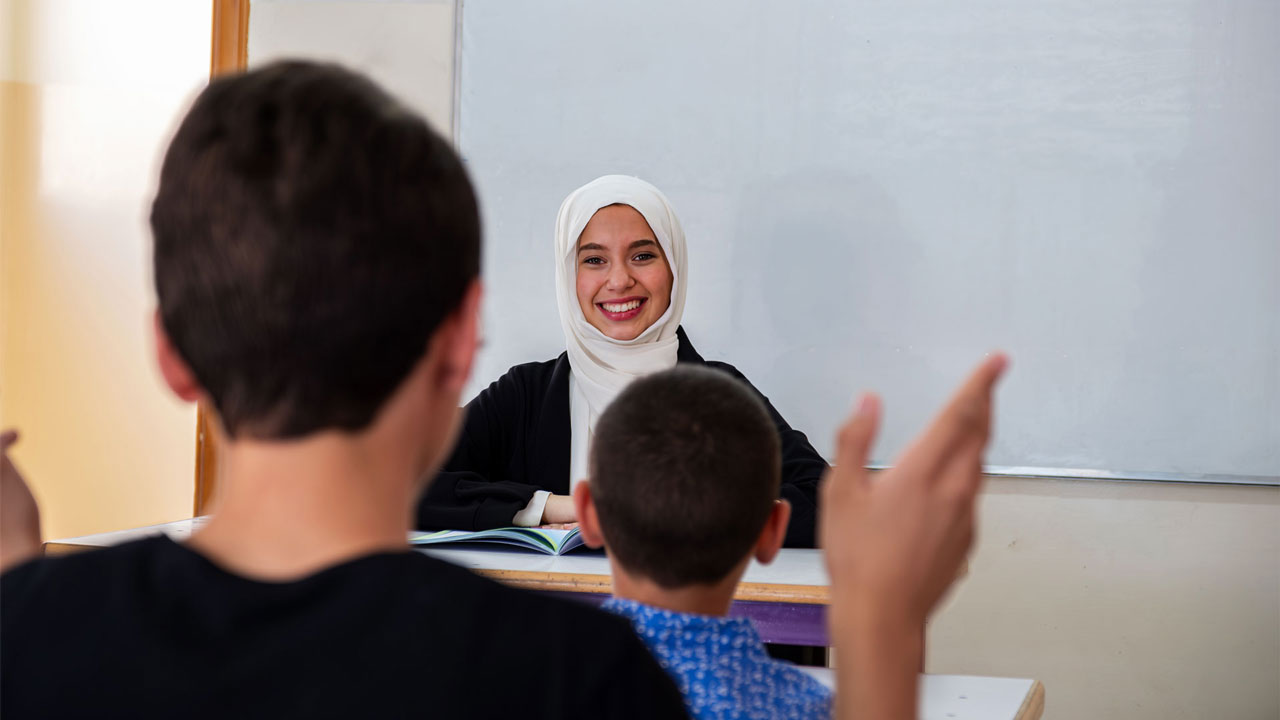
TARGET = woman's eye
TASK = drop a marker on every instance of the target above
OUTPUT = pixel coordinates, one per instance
(642, 257)
(593, 261)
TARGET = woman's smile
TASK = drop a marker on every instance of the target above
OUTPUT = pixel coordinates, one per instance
(620, 310)
(623, 278)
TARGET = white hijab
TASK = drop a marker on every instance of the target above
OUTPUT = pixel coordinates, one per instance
(601, 366)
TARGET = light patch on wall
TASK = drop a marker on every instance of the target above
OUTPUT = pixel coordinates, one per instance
(91, 94)
(406, 46)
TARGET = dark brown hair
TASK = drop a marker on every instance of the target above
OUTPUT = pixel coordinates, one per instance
(311, 233)
(685, 467)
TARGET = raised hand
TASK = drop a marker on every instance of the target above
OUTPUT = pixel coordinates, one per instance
(895, 541)
(19, 515)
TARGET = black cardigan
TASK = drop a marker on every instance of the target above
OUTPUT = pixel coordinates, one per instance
(515, 441)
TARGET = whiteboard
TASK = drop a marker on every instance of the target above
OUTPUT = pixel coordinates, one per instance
(876, 193)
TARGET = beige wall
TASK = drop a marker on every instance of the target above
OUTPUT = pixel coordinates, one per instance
(89, 92)
(1128, 600)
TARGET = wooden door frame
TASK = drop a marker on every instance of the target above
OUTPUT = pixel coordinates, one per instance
(229, 52)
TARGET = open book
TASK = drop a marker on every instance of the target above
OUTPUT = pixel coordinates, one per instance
(543, 540)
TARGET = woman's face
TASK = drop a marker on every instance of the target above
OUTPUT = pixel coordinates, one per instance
(624, 280)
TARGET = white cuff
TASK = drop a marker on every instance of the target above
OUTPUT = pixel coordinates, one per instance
(531, 515)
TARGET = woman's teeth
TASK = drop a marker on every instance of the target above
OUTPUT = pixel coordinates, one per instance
(621, 307)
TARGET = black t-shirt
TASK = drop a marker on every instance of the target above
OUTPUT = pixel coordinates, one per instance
(153, 629)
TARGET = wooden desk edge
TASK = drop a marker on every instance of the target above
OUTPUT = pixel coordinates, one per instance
(601, 585)
(1033, 706)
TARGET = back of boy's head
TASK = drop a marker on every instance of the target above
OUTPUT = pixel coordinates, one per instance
(685, 468)
(311, 234)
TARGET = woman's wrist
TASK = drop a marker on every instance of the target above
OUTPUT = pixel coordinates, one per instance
(559, 509)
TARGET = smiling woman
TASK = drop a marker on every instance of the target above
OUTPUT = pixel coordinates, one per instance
(621, 275)
(624, 278)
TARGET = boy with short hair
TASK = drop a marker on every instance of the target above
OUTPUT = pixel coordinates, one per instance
(317, 250)
(685, 469)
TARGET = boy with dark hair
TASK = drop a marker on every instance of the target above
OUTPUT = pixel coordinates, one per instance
(685, 469)
(316, 264)
(682, 477)
(316, 260)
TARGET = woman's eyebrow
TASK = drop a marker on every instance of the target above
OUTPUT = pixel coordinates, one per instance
(634, 244)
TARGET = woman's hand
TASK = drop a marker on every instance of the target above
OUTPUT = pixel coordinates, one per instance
(559, 510)
(19, 515)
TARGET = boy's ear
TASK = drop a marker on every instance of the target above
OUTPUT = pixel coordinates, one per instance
(462, 338)
(585, 510)
(774, 532)
(175, 371)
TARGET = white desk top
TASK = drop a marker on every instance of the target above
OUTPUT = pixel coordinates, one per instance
(792, 567)
(178, 530)
(966, 697)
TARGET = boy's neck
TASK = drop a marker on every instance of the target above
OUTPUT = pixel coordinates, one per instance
(289, 509)
(709, 599)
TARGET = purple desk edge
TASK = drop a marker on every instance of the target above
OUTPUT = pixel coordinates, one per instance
(782, 623)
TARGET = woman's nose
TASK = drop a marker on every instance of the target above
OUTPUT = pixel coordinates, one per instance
(619, 278)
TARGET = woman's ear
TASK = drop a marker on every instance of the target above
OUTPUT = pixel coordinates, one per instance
(588, 522)
(774, 532)
(177, 375)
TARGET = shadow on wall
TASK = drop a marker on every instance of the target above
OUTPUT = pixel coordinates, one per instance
(823, 239)
(823, 266)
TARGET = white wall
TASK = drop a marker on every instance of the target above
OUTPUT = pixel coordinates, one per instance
(89, 94)
(1128, 600)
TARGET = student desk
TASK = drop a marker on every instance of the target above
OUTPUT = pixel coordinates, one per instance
(787, 599)
(965, 697)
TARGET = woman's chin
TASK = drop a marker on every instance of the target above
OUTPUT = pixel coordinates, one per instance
(619, 331)
(623, 335)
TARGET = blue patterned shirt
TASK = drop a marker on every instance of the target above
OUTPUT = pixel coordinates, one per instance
(721, 666)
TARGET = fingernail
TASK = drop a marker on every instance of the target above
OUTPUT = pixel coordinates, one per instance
(866, 404)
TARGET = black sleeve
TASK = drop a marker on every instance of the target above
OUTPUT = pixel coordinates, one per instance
(640, 688)
(802, 469)
(473, 491)
(624, 679)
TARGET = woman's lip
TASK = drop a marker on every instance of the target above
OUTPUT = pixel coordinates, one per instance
(622, 316)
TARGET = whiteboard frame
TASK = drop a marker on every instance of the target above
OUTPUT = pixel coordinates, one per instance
(1000, 471)
(1017, 471)
(456, 123)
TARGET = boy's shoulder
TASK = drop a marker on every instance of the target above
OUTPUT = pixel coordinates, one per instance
(722, 666)
(390, 634)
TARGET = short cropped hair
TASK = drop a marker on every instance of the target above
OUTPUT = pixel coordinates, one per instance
(311, 234)
(685, 467)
